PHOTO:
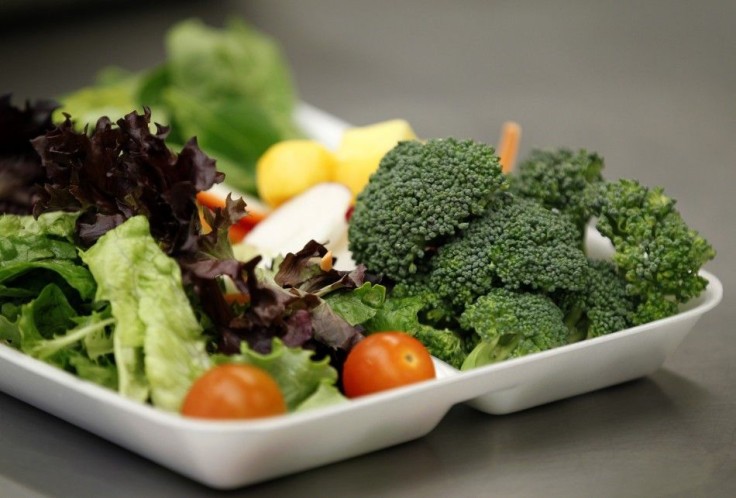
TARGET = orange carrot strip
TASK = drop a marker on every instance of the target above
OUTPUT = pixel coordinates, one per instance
(210, 199)
(237, 298)
(508, 145)
(237, 233)
(251, 219)
(244, 225)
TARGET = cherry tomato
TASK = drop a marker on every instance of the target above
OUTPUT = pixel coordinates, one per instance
(234, 391)
(385, 360)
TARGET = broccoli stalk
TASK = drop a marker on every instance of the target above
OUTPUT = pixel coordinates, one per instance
(512, 324)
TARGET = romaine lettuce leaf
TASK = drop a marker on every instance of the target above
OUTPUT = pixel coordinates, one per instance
(158, 342)
(55, 224)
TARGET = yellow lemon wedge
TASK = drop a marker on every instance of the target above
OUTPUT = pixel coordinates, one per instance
(290, 167)
(362, 148)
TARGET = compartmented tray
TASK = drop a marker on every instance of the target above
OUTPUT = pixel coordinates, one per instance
(237, 453)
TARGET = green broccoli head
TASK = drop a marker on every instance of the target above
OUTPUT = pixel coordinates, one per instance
(512, 324)
(446, 344)
(602, 307)
(657, 254)
(557, 180)
(517, 244)
(420, 194)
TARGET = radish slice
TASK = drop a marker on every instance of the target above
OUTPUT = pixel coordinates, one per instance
(317, 213)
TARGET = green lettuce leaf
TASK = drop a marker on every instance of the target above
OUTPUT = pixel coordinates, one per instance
(359, 305)
(236, 132)
(75, 275)
(101, 371)
(32, 248)
(49, 329)
(9, 331)
(327, 394)
(158, 343)
(402, 314)
(302, 380)
(57, 224)
(236, 62)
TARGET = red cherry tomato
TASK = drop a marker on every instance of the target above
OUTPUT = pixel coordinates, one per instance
(233, 391)
(385, 360)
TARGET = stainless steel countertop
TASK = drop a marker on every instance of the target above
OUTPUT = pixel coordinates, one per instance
(651, 86)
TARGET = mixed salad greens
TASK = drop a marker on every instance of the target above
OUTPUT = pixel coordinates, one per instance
(114, 278)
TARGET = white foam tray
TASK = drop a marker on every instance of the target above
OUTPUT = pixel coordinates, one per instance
(237, 453)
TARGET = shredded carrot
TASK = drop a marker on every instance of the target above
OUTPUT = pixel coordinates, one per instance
(244, 225)
(237, 298)
(251, 219)
(508, 145)
(325, 263)
(210, 199)
(237, 233)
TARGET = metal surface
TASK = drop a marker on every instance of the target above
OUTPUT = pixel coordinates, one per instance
(651, 86)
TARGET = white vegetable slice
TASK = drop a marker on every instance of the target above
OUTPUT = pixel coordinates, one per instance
(317, 213)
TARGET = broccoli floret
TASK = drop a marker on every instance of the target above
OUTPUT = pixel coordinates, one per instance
(558, 178)
(512, 324)
(445, 344)
(420, 194)
(436, 311)
(602, 307)
(657, 254)
(517, 244)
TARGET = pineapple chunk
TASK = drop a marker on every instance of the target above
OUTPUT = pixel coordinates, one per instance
(362, 148)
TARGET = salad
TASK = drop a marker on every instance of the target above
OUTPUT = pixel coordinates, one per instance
(117, 275)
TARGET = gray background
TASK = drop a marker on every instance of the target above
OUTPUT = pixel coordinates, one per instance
(649, 85)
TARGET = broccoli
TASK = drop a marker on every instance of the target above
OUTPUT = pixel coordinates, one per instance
(602, 307)
(512, 324)
(517, 244)
(557, 180)
(482, 267)
(657, 254)
(420, 194)
(437, 310)
(445, 344)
